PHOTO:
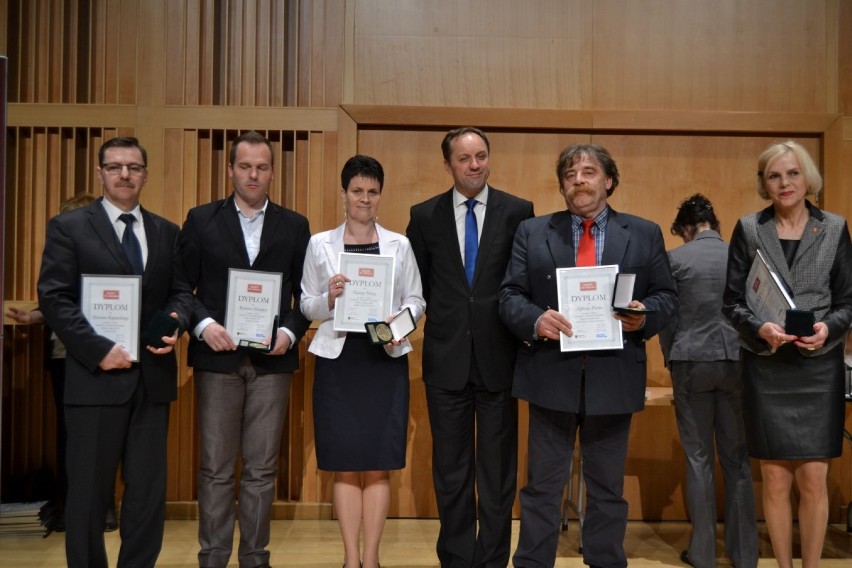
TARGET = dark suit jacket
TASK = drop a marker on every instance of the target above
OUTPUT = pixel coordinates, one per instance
(615, 379)
(462, 320)
(210, 243)
(83, 241)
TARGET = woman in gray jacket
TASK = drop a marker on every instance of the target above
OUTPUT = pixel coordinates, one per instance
(793, 382)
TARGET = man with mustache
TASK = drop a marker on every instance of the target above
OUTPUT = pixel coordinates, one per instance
(595, 391)
(242, 393)
(116, 409)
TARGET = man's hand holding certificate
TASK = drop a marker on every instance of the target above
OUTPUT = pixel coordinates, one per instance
(252, 312)
(585, 299)
(111, 305)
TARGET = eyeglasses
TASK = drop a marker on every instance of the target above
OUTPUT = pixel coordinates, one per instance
(116, 169)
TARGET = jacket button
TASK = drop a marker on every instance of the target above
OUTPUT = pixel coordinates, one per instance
(547, 277)
(470, 299)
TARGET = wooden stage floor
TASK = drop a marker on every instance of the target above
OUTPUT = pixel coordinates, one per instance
(407, 543)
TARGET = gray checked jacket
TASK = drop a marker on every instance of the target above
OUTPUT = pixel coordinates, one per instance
(820, 277)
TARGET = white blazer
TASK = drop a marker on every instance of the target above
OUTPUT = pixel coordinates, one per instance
(321, 264)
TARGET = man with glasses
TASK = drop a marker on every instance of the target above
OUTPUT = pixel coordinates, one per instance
(116, 407)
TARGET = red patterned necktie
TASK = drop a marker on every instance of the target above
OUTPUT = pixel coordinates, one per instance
(586, 251)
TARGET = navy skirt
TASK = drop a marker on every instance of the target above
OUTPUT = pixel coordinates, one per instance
(361, 408)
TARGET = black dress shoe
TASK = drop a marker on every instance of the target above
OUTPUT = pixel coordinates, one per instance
(684, 557)
(111, 522)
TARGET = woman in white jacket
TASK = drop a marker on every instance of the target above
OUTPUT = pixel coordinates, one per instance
(360, 390)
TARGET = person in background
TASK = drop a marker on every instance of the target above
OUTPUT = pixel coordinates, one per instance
(793, 385)
(361, 390)
(594, 392)
(116, 408)
(462, 240)
(701, 350)
(242, 393)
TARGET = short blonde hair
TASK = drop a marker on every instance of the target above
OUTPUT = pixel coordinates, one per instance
(806, 163)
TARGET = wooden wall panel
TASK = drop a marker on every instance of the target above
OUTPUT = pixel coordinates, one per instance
(726, 55)
(474, 53)
(579, 54)
(844, 53)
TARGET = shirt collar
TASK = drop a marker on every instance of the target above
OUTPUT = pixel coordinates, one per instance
(258, 212)
(114, 212)
(459, 199)
(600, 220)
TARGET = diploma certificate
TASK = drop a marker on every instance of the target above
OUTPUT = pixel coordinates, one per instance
(111, 304)
(585, 299)
(253, 304)
(368, 296)
(765, 293)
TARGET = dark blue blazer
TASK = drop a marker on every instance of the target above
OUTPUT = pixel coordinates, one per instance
(615, 379)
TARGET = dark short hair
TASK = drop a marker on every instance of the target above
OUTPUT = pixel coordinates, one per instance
(447, 143)
(360, 165)
(251, 137)
(693, 211)
(122, 142)
(599, 154)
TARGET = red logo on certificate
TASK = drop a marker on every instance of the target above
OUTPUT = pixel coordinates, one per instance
(366, 272)
(588, 286)
(255, 288)
(111, 295)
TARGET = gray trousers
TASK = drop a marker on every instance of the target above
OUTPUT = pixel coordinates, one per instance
(239, 414)
(708, 406)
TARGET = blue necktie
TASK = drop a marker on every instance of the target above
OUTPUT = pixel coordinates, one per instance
(471, 241)
(131, 245)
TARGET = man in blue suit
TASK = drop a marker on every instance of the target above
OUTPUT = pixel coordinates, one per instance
(595, 392)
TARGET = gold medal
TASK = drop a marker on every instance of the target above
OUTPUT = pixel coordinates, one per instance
(383, 331)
